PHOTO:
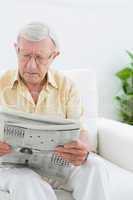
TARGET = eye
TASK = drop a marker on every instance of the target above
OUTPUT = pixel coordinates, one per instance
(26, 55)
(40, 58)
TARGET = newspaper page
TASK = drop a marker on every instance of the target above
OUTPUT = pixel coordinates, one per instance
(33, 138)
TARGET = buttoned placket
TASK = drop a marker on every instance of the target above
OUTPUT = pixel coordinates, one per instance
(23, 90)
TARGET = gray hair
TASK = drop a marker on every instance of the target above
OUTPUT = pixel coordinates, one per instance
(37, 31)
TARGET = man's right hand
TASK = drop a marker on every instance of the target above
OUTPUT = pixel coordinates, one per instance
(4, 148)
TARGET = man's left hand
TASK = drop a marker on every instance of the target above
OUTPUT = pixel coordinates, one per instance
(75, 152)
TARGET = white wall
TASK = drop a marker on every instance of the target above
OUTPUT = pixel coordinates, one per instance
(91, 33)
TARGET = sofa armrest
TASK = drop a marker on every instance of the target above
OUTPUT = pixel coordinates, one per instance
(115, 142)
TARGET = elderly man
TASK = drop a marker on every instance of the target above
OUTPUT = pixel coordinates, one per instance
(36, 88)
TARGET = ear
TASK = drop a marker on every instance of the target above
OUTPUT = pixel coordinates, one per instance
(57, 53)
(16, 47)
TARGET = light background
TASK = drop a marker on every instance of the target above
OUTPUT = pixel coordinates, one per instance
(92, 34)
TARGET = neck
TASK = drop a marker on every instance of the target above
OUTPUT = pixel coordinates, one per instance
(34, 87)
(35, 91)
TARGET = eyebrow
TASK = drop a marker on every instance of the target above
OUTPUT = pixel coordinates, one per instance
(41, 53)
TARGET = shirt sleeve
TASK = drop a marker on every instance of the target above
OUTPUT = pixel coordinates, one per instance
(74, 106)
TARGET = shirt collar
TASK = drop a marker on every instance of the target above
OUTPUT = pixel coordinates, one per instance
(14, 78)
(50, 79)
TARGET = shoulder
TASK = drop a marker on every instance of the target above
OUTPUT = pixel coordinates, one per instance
(7, 78)
(62, 80)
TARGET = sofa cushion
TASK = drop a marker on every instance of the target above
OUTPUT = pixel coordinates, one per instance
(120, 182)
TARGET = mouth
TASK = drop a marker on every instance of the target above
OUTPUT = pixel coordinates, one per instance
(31, 74)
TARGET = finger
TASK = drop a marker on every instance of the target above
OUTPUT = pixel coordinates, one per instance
(77, 163)
(75, 144)
(3, 147)
(71, 157)
(71, 151)
(4, 153)
(3, 142)
(4, 150)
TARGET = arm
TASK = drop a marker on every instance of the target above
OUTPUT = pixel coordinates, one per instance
(76, 151)
(85, 139)
(4, 147)
(115, 141)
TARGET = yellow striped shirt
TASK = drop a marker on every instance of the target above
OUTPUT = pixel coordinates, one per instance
(60, 97)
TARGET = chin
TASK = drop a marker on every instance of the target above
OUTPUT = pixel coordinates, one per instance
(32, 79)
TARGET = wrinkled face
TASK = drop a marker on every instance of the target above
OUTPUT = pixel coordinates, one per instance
(34, 59)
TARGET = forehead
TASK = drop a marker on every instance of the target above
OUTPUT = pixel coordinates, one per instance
(45, 45)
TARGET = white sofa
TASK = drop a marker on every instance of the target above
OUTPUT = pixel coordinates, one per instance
(113, 141)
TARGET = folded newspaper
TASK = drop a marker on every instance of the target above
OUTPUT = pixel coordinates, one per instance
(33, 138)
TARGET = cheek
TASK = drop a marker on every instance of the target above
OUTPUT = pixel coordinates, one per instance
(43, 69)
(22, 67)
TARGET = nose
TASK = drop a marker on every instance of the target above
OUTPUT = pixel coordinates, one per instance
(31, 65)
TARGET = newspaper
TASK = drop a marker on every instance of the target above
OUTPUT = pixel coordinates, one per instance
(33, 138)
